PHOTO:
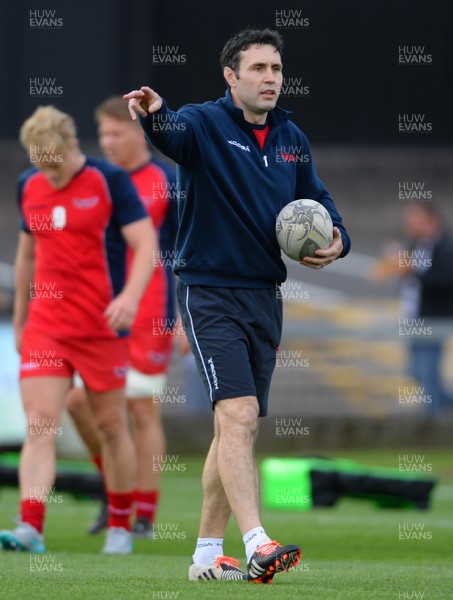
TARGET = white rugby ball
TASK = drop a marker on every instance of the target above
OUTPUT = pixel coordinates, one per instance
(302, 227)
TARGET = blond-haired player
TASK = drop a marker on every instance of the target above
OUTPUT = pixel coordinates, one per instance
(78, 216)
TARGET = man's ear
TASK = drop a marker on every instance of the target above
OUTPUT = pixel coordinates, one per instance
(230, 76)
(74, 144)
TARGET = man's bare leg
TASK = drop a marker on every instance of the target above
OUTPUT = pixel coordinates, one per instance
(81, 413)
(238, 421)
(215, 513)
(119, 467)
(43, 400)
(215, 510)
(118, 455)
(149, 439)
(230, 484)
(238, 425)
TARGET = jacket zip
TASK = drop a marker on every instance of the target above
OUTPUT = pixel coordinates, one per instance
(261, 150)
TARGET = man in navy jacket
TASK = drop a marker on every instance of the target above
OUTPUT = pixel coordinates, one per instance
(240, 160)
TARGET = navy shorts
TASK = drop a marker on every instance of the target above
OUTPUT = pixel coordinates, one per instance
(234, 334)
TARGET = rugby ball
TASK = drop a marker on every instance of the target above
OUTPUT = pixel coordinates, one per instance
(302, 227)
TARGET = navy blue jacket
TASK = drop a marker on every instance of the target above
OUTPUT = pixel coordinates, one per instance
(231, 190)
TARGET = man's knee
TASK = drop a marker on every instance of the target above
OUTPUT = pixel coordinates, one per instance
(110, 429)
(76, 401)
(42, 427)
(238, 415)
(110, 414)
(142, 413)
(111, 423)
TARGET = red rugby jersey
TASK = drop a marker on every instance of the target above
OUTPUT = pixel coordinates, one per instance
(80, 254)
(151, 184)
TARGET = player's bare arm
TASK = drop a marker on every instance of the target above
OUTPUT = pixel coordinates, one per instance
(25, 269)
(141, 237)
(390, 265)
(142, 102)
(326, 256)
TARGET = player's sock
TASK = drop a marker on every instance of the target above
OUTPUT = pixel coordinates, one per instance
(97, 460)
(207, 549)
(120, 508)
(33, 512)
(254, 538)
(146, 504)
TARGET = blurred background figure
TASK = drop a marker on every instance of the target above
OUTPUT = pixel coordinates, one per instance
(123, 144)
(154, 329)
(81, 208)
(425, 267)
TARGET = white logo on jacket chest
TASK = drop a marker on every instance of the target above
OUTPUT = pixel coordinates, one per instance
(241, 146)
(85, 203)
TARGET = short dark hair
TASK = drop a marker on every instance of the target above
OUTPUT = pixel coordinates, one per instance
(115, 107)
(430, 209)
(231, 52)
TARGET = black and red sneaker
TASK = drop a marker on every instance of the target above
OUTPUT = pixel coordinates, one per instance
(271, 558)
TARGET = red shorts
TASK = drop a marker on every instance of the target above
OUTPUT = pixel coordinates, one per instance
(101, 362)
(150, 352)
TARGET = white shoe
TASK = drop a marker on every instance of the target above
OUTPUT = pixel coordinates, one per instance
(222, 567)
(24, 538)
(118, 541)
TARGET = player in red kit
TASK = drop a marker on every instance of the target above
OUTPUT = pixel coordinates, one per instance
(123, 143)
(79, 214)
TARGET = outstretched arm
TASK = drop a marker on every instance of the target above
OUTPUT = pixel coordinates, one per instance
(171, 132)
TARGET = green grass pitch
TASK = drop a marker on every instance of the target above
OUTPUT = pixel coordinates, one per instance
(352, 551)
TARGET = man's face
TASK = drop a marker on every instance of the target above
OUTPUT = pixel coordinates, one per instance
(58, 167)
(119, 140)
(418, 223)
(257, 86)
